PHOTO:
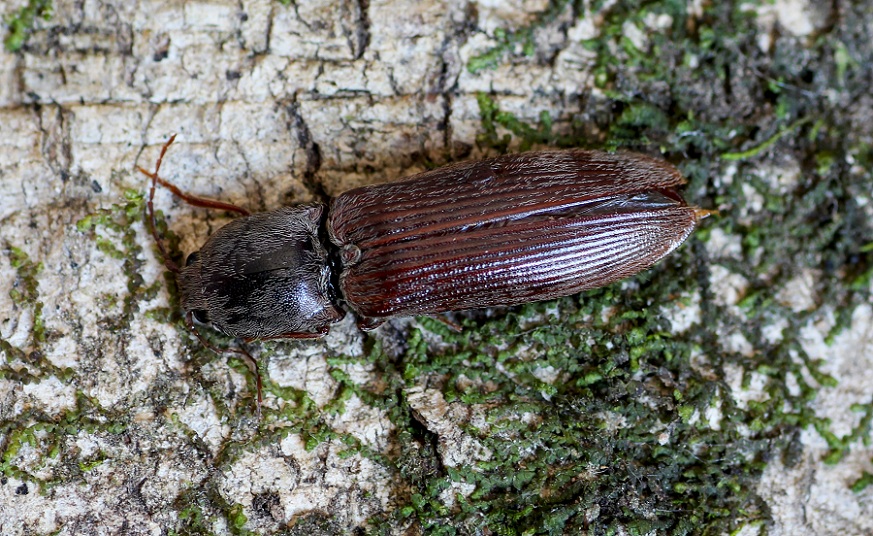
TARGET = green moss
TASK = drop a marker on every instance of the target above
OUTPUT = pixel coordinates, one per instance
(20, 24)
(237, 518)
(862, 483)
(201, 508)
(621, 439)
(192, 518)
(114, 233)
(28, 364)
(25, 292)
(766, 144)
(53, 439)
(555, 467)
(592, 415)
(519, 39)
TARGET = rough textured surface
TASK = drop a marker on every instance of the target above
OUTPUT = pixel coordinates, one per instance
(113, 420)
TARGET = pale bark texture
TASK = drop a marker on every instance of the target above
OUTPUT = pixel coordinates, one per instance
(117, 421)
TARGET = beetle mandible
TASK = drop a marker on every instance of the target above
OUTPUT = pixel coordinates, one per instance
(497, 232)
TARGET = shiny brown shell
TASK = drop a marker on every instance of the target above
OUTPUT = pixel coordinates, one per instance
(505, 231)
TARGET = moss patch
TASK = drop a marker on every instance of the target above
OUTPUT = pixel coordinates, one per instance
(596, 415)
(48, 440)
(28, 364)
(20, 23)
(593, 414)
(521, 39)
(637, 429)
(112, 230)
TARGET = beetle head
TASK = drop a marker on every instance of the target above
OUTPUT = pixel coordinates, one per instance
(263, 276)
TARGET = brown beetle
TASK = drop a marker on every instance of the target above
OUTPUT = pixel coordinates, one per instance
(503, 231)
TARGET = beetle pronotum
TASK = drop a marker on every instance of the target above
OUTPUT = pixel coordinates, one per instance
(503, 231)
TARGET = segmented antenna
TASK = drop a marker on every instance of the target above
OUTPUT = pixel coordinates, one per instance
(168, 262)
(184, 196)
(173, 267)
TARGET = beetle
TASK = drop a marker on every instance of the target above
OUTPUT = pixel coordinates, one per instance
(502, 231)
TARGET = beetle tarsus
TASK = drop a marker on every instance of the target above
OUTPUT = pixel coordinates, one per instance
(368, 323)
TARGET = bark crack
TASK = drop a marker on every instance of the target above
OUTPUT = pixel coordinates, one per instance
(297, 124)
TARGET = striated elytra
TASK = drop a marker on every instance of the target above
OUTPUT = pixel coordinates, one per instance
(502, 231)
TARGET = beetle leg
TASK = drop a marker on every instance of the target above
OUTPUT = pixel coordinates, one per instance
(253, 368)
(247, 358)
(367, 323)
(448, 322)
(293, 335)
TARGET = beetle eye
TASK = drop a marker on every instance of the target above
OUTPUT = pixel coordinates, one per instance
(192, 258)
(200, 315)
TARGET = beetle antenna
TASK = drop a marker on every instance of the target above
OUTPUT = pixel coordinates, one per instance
(168, 262)
(173, 267)
(247, 358)
(188, 198)
(193, 200)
